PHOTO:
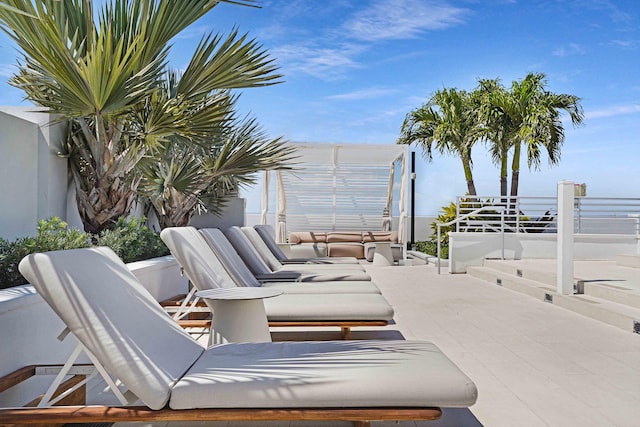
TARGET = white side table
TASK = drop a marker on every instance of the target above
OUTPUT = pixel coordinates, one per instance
(238, 314)
(383, 254)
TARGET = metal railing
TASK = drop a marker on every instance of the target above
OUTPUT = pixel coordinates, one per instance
(486, 225)
(522, 214)
(592, 215)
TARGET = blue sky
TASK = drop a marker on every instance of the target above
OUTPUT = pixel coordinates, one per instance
(354, 68)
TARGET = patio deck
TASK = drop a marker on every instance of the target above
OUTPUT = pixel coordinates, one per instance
(535, 364)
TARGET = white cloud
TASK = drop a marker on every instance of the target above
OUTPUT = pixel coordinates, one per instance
(327, 56)
(370, 93)
(615, 110)
(327, 63)
(626, 44)
(403, 19)
(569, 50)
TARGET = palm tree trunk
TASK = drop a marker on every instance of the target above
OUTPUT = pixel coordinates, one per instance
(503, 176)
(468, 174)
(515, 177)
(102, 195)
(515, 169)
(102, 202)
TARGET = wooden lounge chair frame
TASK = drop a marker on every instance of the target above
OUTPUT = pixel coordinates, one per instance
(361, 417)
(73, 409)
(70, 398)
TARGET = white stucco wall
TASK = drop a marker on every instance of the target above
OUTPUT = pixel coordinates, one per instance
(33, 178)
(467, 249)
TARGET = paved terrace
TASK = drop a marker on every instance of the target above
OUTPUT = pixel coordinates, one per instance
(535, 364)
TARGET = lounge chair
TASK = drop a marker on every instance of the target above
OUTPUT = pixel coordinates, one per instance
(309, 273)
(242, 275)
(267, 233)
(125, 330)
(272, 261)
(205, 271)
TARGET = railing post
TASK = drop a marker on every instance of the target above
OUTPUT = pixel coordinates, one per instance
(517, 214)
(502, 231)
(438, 249)
(564, 259)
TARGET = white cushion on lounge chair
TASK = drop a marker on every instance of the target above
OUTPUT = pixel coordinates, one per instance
(328, 307)
(323, 374)
(345, 287)
(111, 313)
(256, 264)
(274, 264)
(242, 276)
(194, 254)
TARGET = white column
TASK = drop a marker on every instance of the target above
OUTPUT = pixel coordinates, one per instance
(564, 260)
(281, 222)
(265, 198)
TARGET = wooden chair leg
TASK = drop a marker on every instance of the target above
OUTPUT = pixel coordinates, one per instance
(362, 424)
(346, 333)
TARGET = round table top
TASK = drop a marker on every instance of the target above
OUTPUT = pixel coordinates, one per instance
(239, 293)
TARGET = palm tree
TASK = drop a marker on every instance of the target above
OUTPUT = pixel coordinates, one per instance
(105, 76)
(497, 128)
(449, 121)
(526, 114)
(184, 178)
(537, 115)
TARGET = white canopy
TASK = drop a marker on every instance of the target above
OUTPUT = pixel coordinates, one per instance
(342, 187)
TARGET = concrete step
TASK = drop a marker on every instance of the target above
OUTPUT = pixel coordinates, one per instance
(515, 268)
(619, 315)
(611, 291)
(532, 288)
(631, 260)
(422, 258)
(622, 288)
(616, 314)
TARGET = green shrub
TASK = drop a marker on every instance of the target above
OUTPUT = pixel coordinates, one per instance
(53, 234)
(132, 240)
(10, 255)
(430, 247)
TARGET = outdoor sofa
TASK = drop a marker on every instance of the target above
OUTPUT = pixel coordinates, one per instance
(356, 244)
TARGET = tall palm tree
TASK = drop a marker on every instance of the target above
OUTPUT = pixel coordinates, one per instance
(448, 123)
(526, 114)
(104, 75)
(537, 115)
(497, 128)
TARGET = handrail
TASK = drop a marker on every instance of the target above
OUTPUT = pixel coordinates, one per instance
(457, 221)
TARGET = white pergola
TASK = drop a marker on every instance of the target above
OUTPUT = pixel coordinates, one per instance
(341, 187)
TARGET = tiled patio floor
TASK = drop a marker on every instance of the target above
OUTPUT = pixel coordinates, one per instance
(535, 364)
